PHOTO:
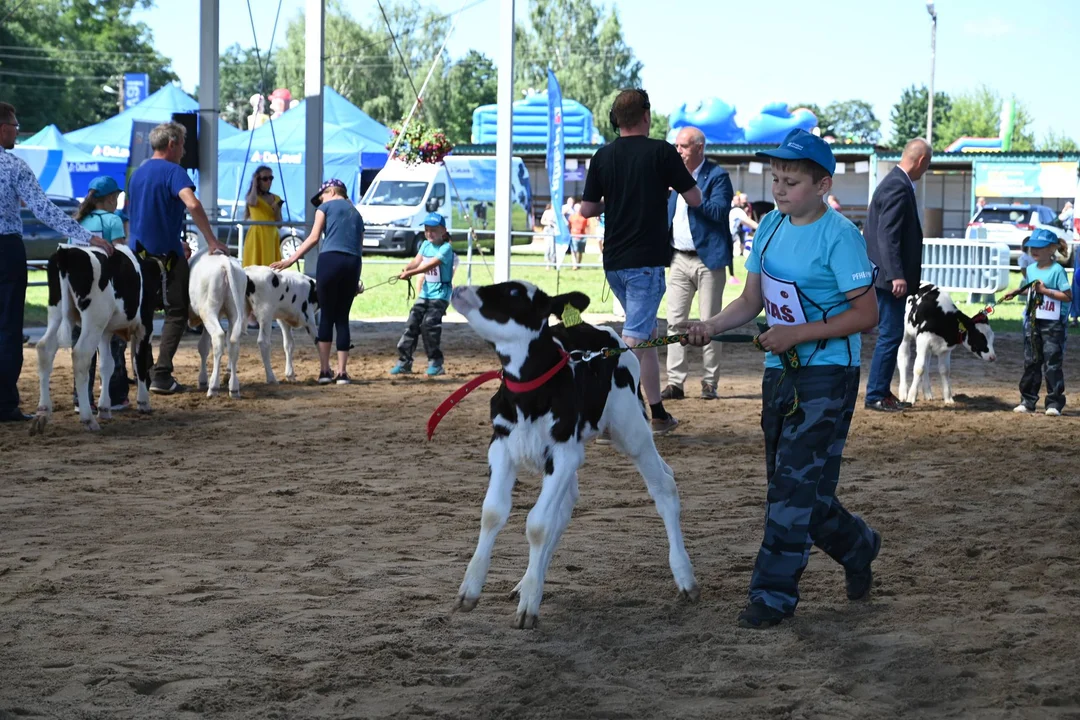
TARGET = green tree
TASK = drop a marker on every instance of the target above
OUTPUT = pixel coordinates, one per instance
(908, 116)
(57, 55)
(852, 121)
(1055, 142)
(661, 125)
(585, 48)
(240, 78)
(977, 113)
(824, 124)
(468, 83)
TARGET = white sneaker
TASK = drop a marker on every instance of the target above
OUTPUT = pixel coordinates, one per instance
(1053, 412)
(1023, 409)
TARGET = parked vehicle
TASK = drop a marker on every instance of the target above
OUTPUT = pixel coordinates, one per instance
(39, 239)
(401, 196)
(1012, 224)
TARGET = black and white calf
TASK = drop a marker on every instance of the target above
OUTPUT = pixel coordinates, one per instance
(934, 325)
(545, 430)
(103, 295)
(288, 297)
(216, 288)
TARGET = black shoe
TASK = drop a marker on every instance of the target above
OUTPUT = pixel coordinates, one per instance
(708, 392)
(167, 386)
(325, 378)
(903, 405)
(758, 616)
(885, 404)
(672, 392)
(15, 416)
(858, 583)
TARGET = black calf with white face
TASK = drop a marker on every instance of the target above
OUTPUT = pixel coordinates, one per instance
(545, 428)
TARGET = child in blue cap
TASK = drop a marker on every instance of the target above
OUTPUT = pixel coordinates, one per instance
(435, 261)
(809, 272)
(1044, 326)
(98, 214)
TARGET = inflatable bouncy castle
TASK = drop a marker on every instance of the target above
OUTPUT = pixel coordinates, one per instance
(1002, 143)
(716, 119)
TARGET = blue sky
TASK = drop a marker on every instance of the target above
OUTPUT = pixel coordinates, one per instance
(867, 49)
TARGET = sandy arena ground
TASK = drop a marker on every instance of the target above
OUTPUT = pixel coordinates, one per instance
(296, 554)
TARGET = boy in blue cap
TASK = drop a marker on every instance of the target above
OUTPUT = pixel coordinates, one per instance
(1044, 326)
(435, 261)
(810, 273)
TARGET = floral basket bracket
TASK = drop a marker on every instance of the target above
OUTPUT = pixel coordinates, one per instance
(421, 143)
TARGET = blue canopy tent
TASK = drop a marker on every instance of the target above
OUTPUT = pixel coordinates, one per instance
(61, 167)
(352, 142)
(111, 139)
(531, 122)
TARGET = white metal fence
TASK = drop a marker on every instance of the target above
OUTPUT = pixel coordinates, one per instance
(966, 265)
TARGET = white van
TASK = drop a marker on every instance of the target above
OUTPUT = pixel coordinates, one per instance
(401, 196)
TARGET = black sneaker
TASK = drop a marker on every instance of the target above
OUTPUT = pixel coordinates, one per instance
(325, 378)
(168, 386)
(858, 583)
(901, 403)
(758, 616)
(672, 392)
(885, 404)
(342, 379)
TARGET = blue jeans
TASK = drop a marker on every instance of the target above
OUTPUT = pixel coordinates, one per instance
(890, 333)
(640, 291)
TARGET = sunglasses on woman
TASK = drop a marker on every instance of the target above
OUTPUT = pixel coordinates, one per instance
(266, 178)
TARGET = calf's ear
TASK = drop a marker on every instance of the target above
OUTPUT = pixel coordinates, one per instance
(579, 301)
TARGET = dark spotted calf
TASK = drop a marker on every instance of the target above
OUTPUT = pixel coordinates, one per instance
(545, 429)
(934, 325)
(104, 295)
(288, 297)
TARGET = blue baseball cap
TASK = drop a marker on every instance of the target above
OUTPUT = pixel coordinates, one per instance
(1041, 238)
(104, 185)
(434, 220)
(316, 199)
(801, 145)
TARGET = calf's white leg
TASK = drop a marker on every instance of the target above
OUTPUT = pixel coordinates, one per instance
(287, 341)
(265, 330)
(903, 359)
(945, 367)
(46, 352)
(204, 350)
(496, 511)
(105, 371)
(82, 354)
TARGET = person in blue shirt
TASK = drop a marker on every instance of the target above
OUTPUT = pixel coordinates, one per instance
(337, 274)
(159, 194)
(97, 213)
(810, 273)
(1044, 326)
(435, 261)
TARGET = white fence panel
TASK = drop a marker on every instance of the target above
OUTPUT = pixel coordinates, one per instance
(966, 266)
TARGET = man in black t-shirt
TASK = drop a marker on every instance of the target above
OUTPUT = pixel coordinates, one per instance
(629, 180)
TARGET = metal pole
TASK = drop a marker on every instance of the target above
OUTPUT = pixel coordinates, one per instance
(120, 91)
(504, 146)
(929, 96)
(209, 95)
(314, 40)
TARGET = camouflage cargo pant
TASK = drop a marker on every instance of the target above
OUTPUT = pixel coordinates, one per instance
(802, 460)
(1044, 353)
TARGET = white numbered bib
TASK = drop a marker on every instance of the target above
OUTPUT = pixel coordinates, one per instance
(1050, 309)
(781, 299)
(434, 275)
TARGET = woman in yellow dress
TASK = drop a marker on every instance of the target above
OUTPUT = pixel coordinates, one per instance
(262, 243)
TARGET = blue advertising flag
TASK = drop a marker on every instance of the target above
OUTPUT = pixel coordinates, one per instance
(136, 88)
(556, 162)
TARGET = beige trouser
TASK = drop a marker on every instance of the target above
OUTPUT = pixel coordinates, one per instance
(689, 275)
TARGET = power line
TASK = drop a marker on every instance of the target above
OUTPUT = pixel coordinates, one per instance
(25, 48)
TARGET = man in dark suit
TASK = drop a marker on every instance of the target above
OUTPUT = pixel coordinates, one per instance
(894, 242)
(701, 240)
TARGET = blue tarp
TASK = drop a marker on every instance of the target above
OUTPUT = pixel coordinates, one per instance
(110, 139)
(63, 168)
(531, 122)
(351, 141)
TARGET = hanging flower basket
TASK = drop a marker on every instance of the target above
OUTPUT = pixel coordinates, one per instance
(421, 144)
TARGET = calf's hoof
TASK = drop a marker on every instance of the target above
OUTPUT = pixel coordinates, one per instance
(37, 425)
(526, 621)
(144, 408)
(465, 604)
(234, 394)
(91, 425)
(104, 414)
(691, 594)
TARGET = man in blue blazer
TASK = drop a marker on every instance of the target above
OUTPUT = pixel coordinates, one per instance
(701, 243)
(894, 242)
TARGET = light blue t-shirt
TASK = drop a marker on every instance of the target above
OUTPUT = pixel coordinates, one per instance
(106, 224)
(437, 281)
(825, 259)
(1054, 278)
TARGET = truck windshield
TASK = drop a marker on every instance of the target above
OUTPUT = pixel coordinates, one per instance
(396, 192)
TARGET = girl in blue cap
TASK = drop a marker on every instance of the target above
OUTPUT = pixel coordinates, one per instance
(1044, 326)
(97, 213)
(810, 273)
(435, 261)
